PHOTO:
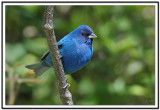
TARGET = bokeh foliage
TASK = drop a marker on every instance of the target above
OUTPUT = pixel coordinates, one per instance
(122, 69)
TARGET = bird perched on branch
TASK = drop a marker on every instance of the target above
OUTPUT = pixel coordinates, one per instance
(75, 48)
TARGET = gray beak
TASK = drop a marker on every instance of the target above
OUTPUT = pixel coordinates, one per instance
(92, 36)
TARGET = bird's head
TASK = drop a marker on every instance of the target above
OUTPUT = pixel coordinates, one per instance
(84, 31)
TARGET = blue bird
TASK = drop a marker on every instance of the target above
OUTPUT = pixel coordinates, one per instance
(75, 48)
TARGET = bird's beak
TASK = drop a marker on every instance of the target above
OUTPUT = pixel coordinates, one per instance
(92, 36)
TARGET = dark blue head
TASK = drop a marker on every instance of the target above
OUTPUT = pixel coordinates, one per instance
(84, 32)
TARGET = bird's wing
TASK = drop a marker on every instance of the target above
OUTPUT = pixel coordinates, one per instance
(60, 44)
(65, 39)
(46, 53)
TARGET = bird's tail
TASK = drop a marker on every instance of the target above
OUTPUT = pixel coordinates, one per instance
(38, 68)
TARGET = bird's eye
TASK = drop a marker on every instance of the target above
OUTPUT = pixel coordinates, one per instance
(83, 34)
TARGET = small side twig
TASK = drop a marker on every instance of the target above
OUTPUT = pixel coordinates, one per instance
(65, 94)
(24, 80)
(11, 97)
(15, 83)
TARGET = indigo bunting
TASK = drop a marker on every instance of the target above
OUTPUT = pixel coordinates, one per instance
(75, 48)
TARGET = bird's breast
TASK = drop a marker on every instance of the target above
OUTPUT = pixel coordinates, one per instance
(76, 57)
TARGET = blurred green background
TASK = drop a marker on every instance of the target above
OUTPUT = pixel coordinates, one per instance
(121, 71)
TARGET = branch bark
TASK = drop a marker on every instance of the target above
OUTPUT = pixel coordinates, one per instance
(63, 85)
(11, 97)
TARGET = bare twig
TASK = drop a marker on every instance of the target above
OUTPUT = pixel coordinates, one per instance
(11, 97)
(65, 94)
(17, 90)
(24, 80)
(15, 83)
(11, 90)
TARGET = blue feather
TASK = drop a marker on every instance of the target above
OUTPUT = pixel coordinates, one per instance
(75, 48)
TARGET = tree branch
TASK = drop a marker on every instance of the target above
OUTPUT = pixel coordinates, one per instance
(11, 98)
(65, 94)
(14, 84)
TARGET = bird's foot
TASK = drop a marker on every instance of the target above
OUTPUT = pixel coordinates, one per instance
(67, 84)
(60, 56)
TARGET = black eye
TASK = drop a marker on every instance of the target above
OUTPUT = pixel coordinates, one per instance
(88, 34)
(83, 34)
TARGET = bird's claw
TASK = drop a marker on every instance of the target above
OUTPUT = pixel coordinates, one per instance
(67, 84)
(60, 56)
